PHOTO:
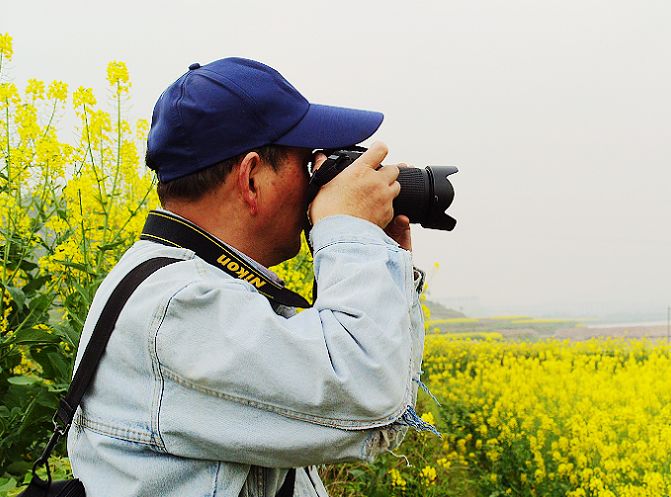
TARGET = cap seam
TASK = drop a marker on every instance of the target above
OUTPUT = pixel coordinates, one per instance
(187, 138)
(253, 101)
(286, 132)
(249, 100)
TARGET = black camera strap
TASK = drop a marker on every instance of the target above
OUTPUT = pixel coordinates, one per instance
(174, 231)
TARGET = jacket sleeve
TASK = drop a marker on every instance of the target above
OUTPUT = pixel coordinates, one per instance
(243, 384)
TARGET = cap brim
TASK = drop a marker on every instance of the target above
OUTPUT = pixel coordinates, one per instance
(324, 126)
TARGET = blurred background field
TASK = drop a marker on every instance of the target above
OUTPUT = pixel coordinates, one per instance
(441, 319)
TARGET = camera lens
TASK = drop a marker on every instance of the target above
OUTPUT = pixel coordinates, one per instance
(425, 196)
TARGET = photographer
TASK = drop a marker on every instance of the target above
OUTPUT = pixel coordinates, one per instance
(211, 384)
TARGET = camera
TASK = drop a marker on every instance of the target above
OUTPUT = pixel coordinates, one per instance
(425, 193)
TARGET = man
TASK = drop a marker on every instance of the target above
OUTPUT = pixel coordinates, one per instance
(210, 384)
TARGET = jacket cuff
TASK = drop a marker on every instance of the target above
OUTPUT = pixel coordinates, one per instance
(343, 228)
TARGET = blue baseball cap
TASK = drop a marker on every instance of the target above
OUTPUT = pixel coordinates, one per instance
(230, 106)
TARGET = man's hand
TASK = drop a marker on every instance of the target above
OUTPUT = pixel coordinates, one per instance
(361, 190)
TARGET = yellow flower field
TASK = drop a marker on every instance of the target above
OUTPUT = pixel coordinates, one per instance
(551, 418)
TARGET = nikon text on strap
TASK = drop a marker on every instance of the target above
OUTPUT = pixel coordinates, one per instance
(162, 227)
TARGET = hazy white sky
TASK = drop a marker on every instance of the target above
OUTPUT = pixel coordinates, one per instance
(557, 112)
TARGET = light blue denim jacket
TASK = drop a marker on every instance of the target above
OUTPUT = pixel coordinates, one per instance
(206, 389)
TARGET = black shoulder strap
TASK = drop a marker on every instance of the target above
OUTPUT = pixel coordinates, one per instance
(88, 366)
(101, 335)
(287, 488)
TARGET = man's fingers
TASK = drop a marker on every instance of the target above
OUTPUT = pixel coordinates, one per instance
(402, 221)
(399, 223)
(372, 157)
(396, 188)
(399, 230)
(391, 172)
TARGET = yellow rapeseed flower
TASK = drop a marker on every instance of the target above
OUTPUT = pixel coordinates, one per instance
(83, 96)
(27, 123)
(557, 409)
(43, 327)
(396, 479)
(6, 50)
(428, 475)
(117, 76)
(58, 90)
(428, 417)
(35, 88)
(9, 94)
(141, 129)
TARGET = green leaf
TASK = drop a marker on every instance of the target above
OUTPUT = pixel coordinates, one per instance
(27, 265)
(54, 365)
(357, 473)
(17, 296)
(35, 284)
(7, 484)
(68, 333)
(23, 380)
(110, 246)
(34, 337)
(39, 305)
(19, 467)
(86, 292)
(76, 265)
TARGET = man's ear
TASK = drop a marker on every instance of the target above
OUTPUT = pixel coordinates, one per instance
(248, 180)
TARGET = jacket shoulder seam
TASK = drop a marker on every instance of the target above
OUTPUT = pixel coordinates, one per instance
(159, 382)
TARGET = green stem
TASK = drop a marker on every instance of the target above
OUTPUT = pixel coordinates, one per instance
(26, 415)
(101, 191)
(51, 118)
(81, 217)
(9, 150)
(116, 173)
(90, 151)
(132, 214)
(8, 161)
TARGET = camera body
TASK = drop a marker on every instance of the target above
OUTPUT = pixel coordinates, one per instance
(425, 193)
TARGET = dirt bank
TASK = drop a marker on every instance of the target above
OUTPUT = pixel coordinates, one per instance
(584, 333)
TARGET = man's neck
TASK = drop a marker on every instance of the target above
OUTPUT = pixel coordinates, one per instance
(217, 220)
(236, 248)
